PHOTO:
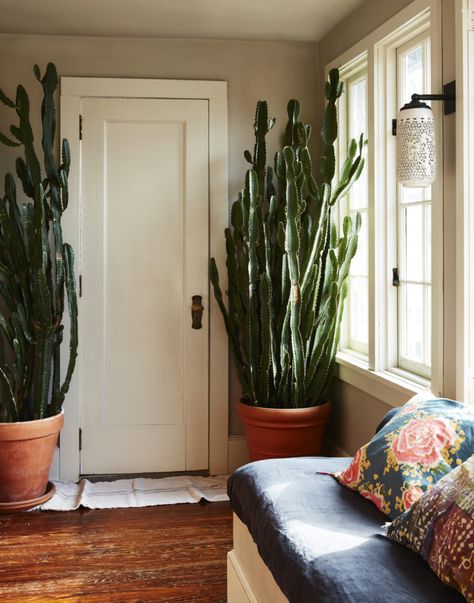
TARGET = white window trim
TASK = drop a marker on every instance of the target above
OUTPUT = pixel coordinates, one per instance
(394, 387)
(371, 376)
(384, 78)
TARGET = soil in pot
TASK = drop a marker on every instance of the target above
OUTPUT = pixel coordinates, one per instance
(26, 454)
(284, 432)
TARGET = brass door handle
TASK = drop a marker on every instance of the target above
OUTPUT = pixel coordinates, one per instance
(196, 311)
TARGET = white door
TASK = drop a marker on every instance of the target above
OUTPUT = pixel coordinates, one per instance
(144, 228)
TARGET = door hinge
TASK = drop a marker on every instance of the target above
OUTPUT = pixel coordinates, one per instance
(80, 285)
(394, 127)
(395, 277)
(80, 438)
(80, 127)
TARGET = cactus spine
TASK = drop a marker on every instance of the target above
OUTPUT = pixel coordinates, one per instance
(287, 267)
(36, 267)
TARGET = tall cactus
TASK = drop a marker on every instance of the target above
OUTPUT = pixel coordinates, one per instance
(287, 266)
(36, 266)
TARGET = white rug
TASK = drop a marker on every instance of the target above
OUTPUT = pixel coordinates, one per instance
(140, 492)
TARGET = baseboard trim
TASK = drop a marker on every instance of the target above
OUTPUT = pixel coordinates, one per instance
(237, 452)
(54, 471)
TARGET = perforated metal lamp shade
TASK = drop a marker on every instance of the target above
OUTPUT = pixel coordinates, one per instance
(416, 146)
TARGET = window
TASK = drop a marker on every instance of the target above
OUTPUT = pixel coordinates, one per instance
(353, 122)
(414, 230)
(393, 319)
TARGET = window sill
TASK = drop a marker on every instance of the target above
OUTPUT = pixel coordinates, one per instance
(392, 388)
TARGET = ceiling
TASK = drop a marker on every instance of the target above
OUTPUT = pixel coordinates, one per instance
(271, 20)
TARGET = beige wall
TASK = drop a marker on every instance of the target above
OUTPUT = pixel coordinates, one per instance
(354, 417)
(254, 71)
(367, 17)
(356, 413)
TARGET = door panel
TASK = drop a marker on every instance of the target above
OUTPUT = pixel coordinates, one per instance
(144, 389)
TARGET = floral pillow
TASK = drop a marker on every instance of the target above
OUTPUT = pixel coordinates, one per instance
(440, 528)
(424, 440)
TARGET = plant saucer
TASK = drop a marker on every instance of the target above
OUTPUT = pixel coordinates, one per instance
(25, 505)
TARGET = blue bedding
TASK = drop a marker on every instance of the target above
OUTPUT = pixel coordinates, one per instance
(322, 542)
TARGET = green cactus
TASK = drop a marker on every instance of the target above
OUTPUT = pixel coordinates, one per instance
(36, 267)
(287, 267)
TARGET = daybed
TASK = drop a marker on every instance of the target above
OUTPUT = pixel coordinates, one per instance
(300, 536)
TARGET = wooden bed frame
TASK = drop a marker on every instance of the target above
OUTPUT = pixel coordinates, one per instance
(248, 578)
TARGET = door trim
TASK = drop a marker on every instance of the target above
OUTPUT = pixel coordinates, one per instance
(73, 90)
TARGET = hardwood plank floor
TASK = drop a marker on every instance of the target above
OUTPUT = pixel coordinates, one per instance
(153, 554)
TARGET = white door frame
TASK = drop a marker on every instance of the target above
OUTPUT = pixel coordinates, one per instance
(73, 90)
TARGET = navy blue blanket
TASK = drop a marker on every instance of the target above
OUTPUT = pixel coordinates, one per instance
(324, 543)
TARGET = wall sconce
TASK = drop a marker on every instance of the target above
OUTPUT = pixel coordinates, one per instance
(416, 141)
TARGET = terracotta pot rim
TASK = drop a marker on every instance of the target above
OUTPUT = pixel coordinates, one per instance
(36, 428)
(61, 412)
(278, 417)
(241, 402)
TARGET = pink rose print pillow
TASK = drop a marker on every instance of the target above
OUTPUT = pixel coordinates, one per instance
(440, 528)
(422, 442)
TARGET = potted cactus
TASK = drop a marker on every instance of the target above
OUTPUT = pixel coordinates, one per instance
(287, 272)
(37, 282)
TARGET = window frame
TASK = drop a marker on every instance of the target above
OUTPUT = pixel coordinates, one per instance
(351, 74)
(380, 366)
(404, 363)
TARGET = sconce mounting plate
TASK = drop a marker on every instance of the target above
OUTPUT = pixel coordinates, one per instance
(449, 90)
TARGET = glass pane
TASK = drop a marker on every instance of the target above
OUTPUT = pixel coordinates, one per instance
(357, 109)
(411, 195)
(358, 304)
(411, 297)
(413, 77)
(355, 332)
(428, 242)
(358, 125)
(412, 225)
(359, 264)
(358, 193)
(428, 324)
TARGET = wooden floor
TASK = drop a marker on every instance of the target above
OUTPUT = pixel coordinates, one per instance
(167, 553)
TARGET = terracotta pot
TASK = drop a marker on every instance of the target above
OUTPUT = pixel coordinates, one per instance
(26, 453)
(284, 432)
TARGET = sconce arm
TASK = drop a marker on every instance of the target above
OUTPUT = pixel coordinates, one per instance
(448, 96)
